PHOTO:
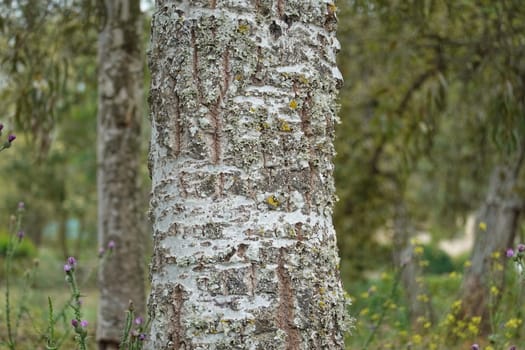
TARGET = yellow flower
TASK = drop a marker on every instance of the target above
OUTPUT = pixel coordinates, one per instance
(513, 323)
(416, 339)
(483, 226)
(418, 250)
(293, 104)
(364, 312)
(495, 255)
(494, 290)
(423, 298)
(473, 328)
(468, 263)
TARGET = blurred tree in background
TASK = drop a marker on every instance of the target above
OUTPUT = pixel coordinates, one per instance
(433, 103)
(48, 90)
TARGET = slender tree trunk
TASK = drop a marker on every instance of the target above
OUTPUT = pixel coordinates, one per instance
(243, 113)
(62, 231)
(120, 216)
(407, 258)
(496, 227)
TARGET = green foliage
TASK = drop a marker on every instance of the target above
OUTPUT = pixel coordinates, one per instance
(438, 261)
(434, 100)
(25, 249)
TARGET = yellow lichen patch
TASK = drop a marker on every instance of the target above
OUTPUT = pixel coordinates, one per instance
(252, 109)
(264, 126)
(293, 104)
(238, 77)
(273, 202)
(303, 80)
(243, 28)
(284, 126)
(483, 226)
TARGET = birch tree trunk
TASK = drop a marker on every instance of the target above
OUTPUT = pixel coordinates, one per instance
(120, 217)
(243, 112)
(495, 231)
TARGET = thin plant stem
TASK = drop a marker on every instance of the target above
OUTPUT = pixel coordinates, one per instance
(376, 326)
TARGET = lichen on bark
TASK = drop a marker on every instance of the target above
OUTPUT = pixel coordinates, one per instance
(243, 108)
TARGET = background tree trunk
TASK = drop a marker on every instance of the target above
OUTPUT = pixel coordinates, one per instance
(407, 258)
(121, 275)
(243, 113)
(495, 231)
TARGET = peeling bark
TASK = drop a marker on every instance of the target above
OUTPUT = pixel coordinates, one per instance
(243, 113)
(120, 217)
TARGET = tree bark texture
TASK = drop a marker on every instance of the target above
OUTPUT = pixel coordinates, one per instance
(495, 231)
(243, 112)
(120, 217)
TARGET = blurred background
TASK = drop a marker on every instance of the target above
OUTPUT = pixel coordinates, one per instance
(429, 153)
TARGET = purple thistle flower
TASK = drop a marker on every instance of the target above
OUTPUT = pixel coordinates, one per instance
(513, 347)
(74, 323)
(1, 127)
(84, 323)
(72, 261)
(20, 235)
(101, 252)
(142, 336)
(111, 245)
(139, 320)
(475, 347)
(67, 268)
(21, 205)
(510, 253)
(11, 138)
(521, 248)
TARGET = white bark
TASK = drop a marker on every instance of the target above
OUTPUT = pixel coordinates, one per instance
(120, 219)
(243, 112)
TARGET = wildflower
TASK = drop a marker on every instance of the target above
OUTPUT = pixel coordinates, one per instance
(101, 252)
(21, 205)
(84, 323)
(20, 235)
(139, 320)
(67, 268)
(513, 347)
(521, 248)
(475, 347)
(111, 245)
(142, 337)
(494, 290)
(1, 126)
(513, 323)
(74, 323)
(11, 138)
(510, 253)
(72, 261)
